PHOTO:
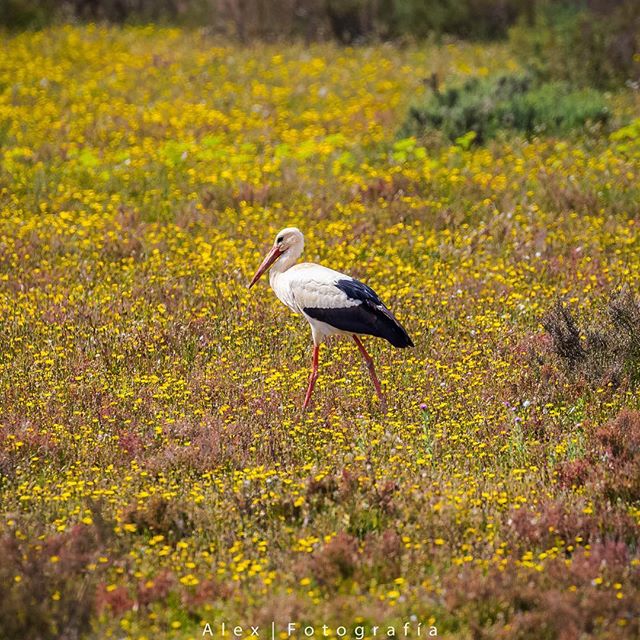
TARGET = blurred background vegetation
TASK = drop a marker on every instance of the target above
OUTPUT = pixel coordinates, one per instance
(570, 51)
(583, 42)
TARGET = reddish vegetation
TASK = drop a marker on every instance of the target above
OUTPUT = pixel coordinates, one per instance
(347, 558)
(575, 473)
(619, 443)
(560, 523)
(56, 582)
(207, 592)
(612, 461)
(525, 604)
(620, 438)
(117, 601)
(336, 561)
(156, 589)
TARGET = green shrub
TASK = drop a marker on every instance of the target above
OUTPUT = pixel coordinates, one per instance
(488, 106)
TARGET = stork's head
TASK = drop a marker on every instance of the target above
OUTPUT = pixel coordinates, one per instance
(289, 243)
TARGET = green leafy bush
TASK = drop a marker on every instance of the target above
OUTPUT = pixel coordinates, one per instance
(488, 106)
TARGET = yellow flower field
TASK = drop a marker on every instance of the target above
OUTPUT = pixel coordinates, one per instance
(156, 473)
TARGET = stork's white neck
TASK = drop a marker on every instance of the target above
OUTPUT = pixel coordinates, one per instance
(285, 261)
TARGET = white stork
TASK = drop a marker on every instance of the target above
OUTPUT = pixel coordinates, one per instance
(332, 303)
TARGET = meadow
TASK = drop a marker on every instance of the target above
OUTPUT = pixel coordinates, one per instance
(156, 472)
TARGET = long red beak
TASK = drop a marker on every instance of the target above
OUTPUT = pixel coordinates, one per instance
(271, 257)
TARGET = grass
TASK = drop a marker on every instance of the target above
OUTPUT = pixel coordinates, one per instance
(155, 470)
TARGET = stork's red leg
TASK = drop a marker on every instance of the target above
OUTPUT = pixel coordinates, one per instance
(372, 370)
(313, 377)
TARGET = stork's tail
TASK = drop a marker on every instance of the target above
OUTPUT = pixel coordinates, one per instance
(391, 330)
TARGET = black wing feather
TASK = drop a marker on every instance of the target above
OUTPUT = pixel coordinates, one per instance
(370, 317)
(357, 290)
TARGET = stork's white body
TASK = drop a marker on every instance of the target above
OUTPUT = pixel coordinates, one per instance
(333, 303)
(308, 285)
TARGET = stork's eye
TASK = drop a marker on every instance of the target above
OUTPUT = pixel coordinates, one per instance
(280, 239)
